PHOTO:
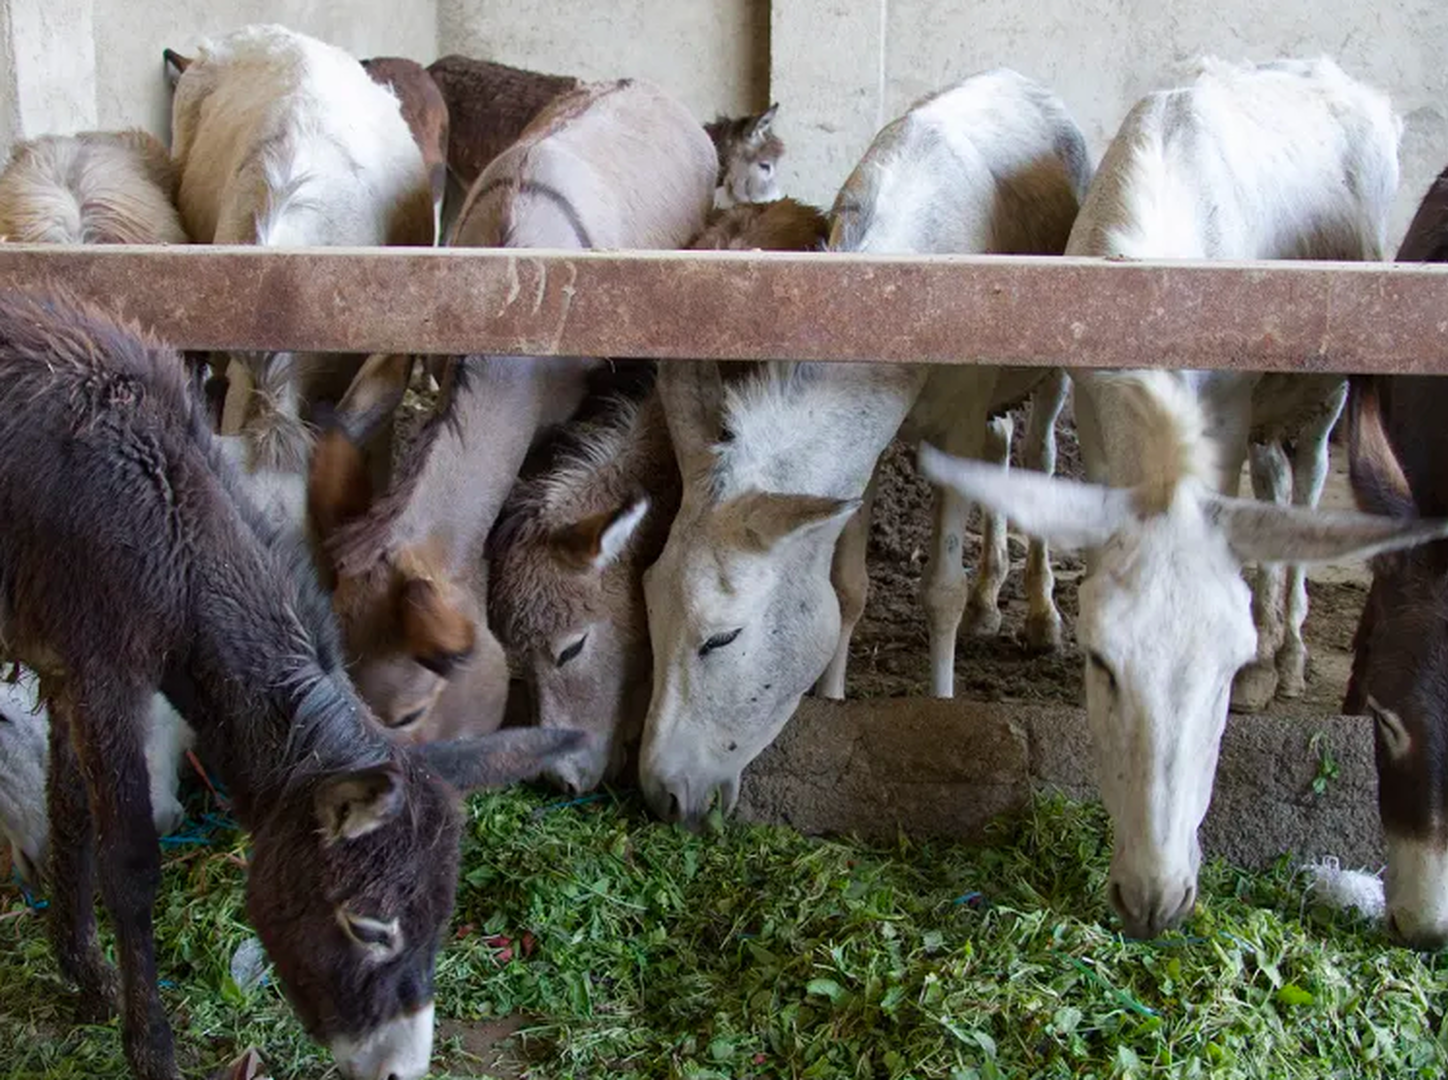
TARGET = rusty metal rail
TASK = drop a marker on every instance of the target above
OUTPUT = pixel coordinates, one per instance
(1280, 316)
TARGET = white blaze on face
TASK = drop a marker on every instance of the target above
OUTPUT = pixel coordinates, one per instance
(400, 1049)
(1416, 885)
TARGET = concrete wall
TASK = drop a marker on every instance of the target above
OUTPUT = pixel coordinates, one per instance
(714, 54)
(130, 35)
(68, 65)
(843, 67)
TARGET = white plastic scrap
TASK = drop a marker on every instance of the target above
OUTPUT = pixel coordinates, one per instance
(1345, 890)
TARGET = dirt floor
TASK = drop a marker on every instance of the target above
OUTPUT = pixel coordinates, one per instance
(888, 656)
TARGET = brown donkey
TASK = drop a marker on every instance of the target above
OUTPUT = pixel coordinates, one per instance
(130, 562)
(617, 165)
(588, 516)
(1398, 455)
(491, 104)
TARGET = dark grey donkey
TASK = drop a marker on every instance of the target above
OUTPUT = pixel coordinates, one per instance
(129, 562)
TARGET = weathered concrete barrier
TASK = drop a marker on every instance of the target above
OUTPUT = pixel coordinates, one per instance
(946, 768)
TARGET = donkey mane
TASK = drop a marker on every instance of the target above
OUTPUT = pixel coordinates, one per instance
(589, 466)
(1173, 429)
(572, 464)
(774, 414)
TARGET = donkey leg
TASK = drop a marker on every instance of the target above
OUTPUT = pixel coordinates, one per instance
(110, 744)
(72, 921)
(1309, 475)
(982, 610)
(1256, 683)
(851, 579)
(1043, 621)
(944, 588)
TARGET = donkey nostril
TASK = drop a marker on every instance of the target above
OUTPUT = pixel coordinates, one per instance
(676, 810)
(1116, 899)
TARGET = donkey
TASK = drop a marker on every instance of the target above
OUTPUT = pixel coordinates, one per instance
(749, 153)
(491, 104)
(588, 515)
(282, 140)
(1396, 449)
(187, 590)
(426, 114)
(1290, 159)
(745, 609)
(24, 752)
(615, 165)
(97, 187)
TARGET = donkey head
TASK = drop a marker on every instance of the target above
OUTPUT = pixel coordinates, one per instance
(1400, 668)
(749, 154)
(1165, 623)
(567, 604)
(742, 614)
(423, 659)
(351, 885)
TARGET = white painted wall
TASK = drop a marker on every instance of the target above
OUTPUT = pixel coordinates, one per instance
(130, 35)
(1101, 56)
(712, 54)
(840, 68)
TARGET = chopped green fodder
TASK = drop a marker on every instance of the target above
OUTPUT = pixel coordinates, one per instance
(638, 950)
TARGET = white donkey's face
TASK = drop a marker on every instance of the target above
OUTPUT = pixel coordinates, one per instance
(743, 620)
(1165, 623)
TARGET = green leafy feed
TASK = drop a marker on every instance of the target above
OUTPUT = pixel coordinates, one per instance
(637, 950)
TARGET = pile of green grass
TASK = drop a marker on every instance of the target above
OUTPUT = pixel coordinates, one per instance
(751, 952)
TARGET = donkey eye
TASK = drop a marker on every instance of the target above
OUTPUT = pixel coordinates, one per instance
(1100, 665)
(572, 651)
(766, 167)
(718, 641)
(412, 717)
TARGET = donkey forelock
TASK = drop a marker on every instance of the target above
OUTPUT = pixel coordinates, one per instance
(592, 466)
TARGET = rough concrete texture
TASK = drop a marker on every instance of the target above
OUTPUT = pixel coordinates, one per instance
(946, 768)
(714, 56)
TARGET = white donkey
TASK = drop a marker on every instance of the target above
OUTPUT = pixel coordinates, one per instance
(742, 611)
(285, 141)
(1286, 160)
(25, 757)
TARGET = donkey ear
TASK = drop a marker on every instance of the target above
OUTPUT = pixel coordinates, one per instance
(760, 125)
(176, 66)
(692, 392)
(435, 632)
(760, 520)
(1378, 482)
(339, 486)
(1271, 533)
(1068, 514)
(504, 757)
(358, 803)
(596, 542)
(374, 394)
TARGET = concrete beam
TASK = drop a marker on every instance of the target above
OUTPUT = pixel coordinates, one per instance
(1277, 316)
(927, 767)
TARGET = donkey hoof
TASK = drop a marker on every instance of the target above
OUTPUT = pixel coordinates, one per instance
(1043, 632)
(1291, 672)
(982, 621)
(1253, 688)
